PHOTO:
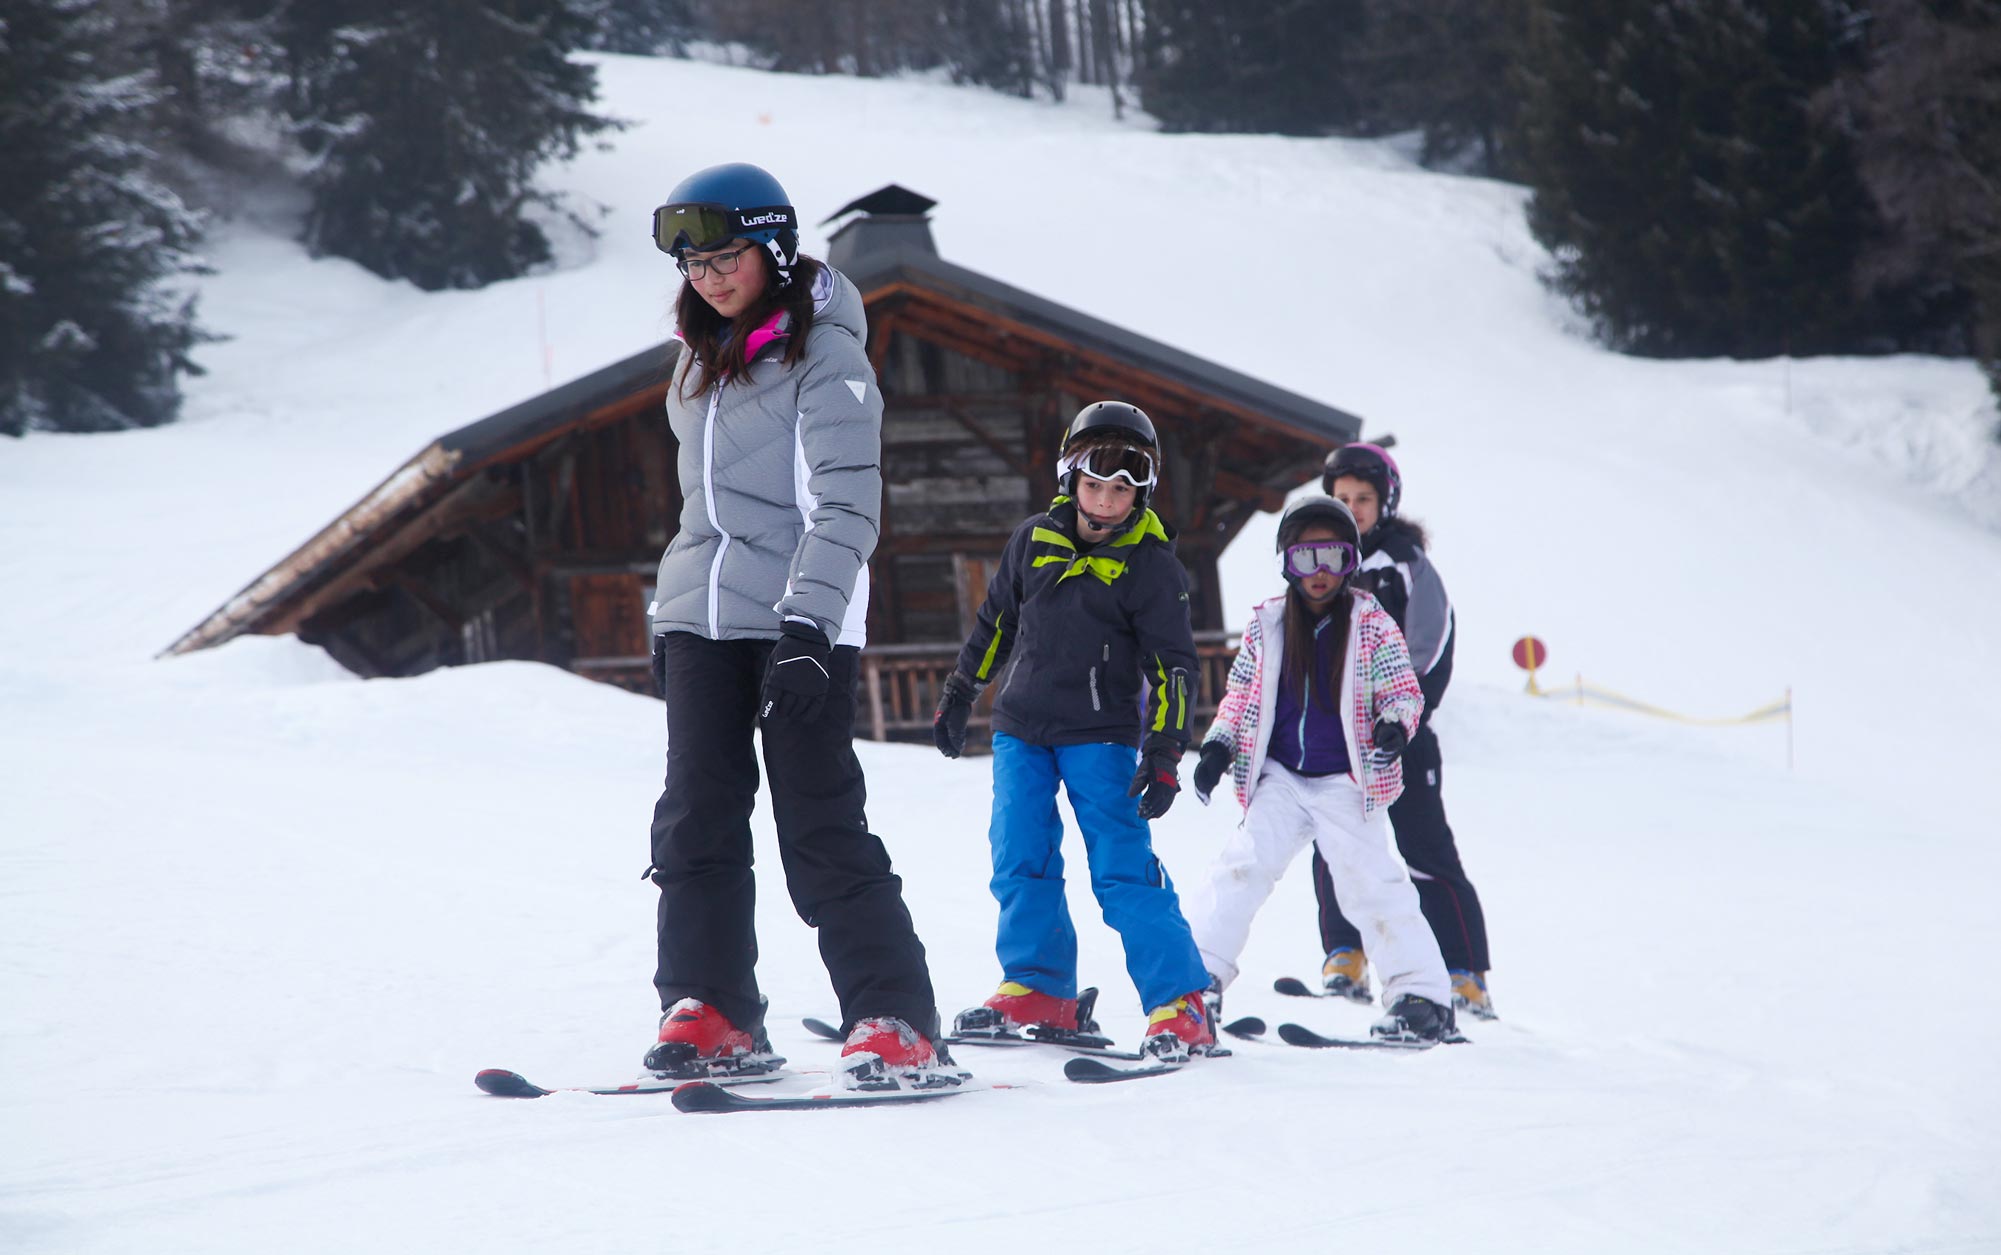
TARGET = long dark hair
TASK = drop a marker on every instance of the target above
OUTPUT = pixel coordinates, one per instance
(1386, 529)
(716, 345)
(1301, 652)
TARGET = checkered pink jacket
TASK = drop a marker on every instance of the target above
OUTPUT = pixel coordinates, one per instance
(1377, 668)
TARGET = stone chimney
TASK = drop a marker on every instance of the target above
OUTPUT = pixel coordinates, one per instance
(887, 219)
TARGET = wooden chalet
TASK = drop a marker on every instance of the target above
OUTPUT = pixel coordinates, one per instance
(535, 533)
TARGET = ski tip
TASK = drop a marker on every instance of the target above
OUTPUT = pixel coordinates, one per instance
(701, 1096)
(1291, 987)
(1249, 1026)
(1300, 1035)
(820, 1028)
(504, 1084)
(1088, 1070)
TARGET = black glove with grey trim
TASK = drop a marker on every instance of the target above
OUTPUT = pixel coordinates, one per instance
(1389, 738)
(796, 678)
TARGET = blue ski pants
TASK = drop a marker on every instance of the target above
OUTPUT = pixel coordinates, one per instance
(1037, 944)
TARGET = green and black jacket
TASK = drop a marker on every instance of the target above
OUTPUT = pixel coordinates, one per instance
(1088, 644)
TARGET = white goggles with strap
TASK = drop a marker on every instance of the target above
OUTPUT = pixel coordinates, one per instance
(1134, 465)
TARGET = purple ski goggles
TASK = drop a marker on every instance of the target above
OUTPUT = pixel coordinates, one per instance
(1310, 557)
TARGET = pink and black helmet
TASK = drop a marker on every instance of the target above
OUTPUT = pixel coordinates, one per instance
(1368, 462)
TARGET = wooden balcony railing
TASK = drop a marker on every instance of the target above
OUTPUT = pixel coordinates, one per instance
(900, 685)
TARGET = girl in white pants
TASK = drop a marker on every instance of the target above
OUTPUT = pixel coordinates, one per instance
(1321, 701)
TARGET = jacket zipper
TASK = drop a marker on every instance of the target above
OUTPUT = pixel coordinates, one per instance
(709, 500)
(1094, 690)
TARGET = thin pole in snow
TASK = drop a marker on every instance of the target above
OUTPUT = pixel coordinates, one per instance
(1789, 727)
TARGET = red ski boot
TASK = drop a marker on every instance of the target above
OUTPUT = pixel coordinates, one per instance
(886, 1053)
(1014, 1008)
(1180, 1030)
(698, 1041)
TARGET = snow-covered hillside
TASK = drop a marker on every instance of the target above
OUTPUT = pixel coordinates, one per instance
(263, 921)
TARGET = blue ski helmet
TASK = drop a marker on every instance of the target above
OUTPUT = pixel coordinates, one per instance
(737, 201)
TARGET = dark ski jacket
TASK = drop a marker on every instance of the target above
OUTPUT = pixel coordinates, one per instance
(1397, 572)
(1088, 645)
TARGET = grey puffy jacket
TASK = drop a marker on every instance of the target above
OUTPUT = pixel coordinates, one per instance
(782, 479)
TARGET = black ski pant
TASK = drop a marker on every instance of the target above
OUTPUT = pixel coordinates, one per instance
(1450, 903)
(837, 871)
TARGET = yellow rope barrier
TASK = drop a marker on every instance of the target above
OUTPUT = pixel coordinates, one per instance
(1582, 693)
(1531, 653)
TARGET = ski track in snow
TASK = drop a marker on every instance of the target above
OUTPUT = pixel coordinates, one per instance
(260, 922)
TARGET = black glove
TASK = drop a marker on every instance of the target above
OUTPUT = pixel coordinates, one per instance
(1389, 739)
(955, 706)
(660, 665)
(1216, 758)
(1156, 779)
(795, 680)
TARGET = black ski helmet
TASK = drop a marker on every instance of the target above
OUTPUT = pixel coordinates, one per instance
(735, 201)
(1370, 463)
(1327, 511)
(1111, 418)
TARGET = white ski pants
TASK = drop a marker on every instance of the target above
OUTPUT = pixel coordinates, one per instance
(1286, 812)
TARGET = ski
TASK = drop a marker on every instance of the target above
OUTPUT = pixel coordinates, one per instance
(1250, 1028)
(703, 1097)
(1292, 987)
(502, 1083)
(1300, 1035)
(1088, 1071)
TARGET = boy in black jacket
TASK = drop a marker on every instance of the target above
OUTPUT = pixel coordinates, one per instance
(1087, 613)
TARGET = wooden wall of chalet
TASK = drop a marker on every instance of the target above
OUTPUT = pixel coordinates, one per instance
(549, 557)
(969, 451)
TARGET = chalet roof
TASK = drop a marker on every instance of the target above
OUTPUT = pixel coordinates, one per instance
(877, 271)
(893, 262)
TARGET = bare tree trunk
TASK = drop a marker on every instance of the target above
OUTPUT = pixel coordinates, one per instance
(1060, 60)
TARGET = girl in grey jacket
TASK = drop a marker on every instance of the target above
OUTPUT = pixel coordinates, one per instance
(758, 619)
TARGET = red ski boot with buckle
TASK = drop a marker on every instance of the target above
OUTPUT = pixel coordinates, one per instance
(884, 1052)
(697, 1041)
(1180, 1030)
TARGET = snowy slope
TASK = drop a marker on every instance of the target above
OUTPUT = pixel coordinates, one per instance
(263, 921)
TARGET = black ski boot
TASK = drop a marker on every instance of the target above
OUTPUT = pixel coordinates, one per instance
(1416, 1021)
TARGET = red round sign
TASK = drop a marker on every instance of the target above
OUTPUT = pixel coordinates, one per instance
(1530, 653)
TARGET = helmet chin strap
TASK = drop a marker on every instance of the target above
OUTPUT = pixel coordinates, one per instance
(1098, 524)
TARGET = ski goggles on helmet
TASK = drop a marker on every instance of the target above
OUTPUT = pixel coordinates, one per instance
(678, 227)
(1108, 462)
(1310, 557)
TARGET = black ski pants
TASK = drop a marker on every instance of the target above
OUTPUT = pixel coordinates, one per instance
(1450, 903)
(837, 871)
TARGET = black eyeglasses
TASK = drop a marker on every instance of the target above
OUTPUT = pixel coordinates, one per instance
(697, 268)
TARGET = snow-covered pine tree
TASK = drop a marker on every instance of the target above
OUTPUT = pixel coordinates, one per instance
(1444, 67)
(426, 125)
(1252, 65)
(1693, 205)
(94, 332)
(1924, 106)
(642, 27)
